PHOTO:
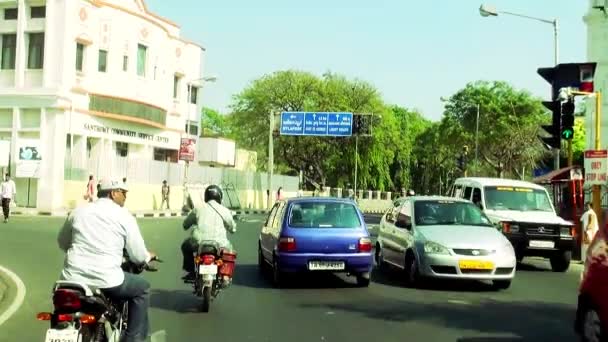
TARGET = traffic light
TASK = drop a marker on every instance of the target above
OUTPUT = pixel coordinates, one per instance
(567, 75)
(567, 129)
(362, 124)
(553, 140)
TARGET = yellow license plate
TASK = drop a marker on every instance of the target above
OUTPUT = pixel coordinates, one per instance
(475, 265)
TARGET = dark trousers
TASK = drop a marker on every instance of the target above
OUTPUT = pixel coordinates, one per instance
(189, 246)
(136, 291)
(6, 207)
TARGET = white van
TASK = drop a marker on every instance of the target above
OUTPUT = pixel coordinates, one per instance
(525, 214)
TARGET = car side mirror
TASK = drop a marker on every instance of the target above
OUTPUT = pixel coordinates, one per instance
(403, 224)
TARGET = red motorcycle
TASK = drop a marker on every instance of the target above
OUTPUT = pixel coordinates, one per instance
(84, 314)
(214, 268)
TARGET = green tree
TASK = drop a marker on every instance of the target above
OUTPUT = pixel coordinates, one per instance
(214, 123)
(509, 125)
(323, 160)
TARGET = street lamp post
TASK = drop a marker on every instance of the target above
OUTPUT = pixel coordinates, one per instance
(490, 11)
(188, 99)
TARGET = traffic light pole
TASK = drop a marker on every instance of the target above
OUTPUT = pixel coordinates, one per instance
(597, 189)
(597, 194)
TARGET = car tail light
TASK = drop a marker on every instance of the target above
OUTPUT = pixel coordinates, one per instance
(287, 244)
(44, 316)
(66, 299)
(365, 245)
(506, 227)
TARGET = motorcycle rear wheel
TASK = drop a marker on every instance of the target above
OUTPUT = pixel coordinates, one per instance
(206, 299)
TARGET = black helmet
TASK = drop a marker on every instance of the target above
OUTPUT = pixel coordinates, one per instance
(213, 192)
(411, 192)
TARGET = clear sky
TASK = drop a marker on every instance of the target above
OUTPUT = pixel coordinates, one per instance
(413, 52)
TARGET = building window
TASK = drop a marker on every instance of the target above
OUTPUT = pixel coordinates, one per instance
(89, 147)
(192, 128)
(79, 56)
(35, 57)
(176, 86)
(164, 155)
(193, 94)
(102, 65)
(10, 14)
(9, 48)
(122, 149)
(38, 12)
(125, 63)
(141, 60)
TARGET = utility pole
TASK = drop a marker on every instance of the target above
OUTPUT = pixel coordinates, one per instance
(270, 157)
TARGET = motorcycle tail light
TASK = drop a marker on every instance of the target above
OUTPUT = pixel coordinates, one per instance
(66, 300)
(44, 316)
(208, 259)
(64, 317)
(87, 319)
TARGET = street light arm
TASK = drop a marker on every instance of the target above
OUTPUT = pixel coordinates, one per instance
(552, 22)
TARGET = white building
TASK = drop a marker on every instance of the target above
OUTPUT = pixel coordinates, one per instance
(597, 51)
(88, 83)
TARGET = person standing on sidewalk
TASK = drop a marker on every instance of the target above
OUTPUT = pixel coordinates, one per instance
(8, 190)
(590, 228)
(165, 192)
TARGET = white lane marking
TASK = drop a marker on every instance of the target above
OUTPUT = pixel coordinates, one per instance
(159, 336)
(18, 298)
(458, 301)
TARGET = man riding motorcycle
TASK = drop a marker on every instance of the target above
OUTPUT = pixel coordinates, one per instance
(211, 220)
(94, 237)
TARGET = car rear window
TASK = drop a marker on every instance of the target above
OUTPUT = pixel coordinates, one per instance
(323, 215)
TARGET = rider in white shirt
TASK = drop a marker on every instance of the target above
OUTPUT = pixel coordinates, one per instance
(211, 221)
(94, 237)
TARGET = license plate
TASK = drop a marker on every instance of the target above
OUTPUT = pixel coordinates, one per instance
(475, 265)
(325, 265)
(207, 269)
(64, 335)
(542, 244)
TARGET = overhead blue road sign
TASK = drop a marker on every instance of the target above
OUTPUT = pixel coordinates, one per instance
(329, 124)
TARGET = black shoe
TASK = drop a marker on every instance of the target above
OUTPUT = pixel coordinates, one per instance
(189, 277)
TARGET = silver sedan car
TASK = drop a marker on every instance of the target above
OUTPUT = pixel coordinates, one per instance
(444, 237)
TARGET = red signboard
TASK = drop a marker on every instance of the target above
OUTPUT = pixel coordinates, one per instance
(596, 167)
(186, 149)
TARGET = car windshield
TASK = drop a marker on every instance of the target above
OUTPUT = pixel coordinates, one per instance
(445, 212)
(323, 215)
(517, 198)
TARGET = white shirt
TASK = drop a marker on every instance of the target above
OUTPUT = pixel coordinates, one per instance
(94, 237)
(590, 215)
(212, 220)
(8, 189)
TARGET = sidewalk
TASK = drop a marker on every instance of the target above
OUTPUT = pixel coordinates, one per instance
(367, 207)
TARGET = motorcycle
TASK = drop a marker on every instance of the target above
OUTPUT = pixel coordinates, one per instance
(214, 268)
(84, 314)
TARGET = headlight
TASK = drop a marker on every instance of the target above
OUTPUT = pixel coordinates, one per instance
(565, 231)
(431, 247)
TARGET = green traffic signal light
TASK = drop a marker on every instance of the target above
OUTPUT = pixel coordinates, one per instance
(567, 133)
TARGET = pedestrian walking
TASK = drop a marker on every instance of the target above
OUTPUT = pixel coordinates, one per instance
(8, 190)
(590, 228)
(165, 192)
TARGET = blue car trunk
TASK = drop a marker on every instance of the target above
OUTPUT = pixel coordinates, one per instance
(326, 240)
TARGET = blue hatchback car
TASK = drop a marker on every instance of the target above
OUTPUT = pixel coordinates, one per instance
(315, 235)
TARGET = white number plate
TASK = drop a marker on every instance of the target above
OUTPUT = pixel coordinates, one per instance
(64, 335)
(325, 265)
(207, 269)
(542, 244)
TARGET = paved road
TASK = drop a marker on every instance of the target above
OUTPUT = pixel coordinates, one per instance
(539, 306)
